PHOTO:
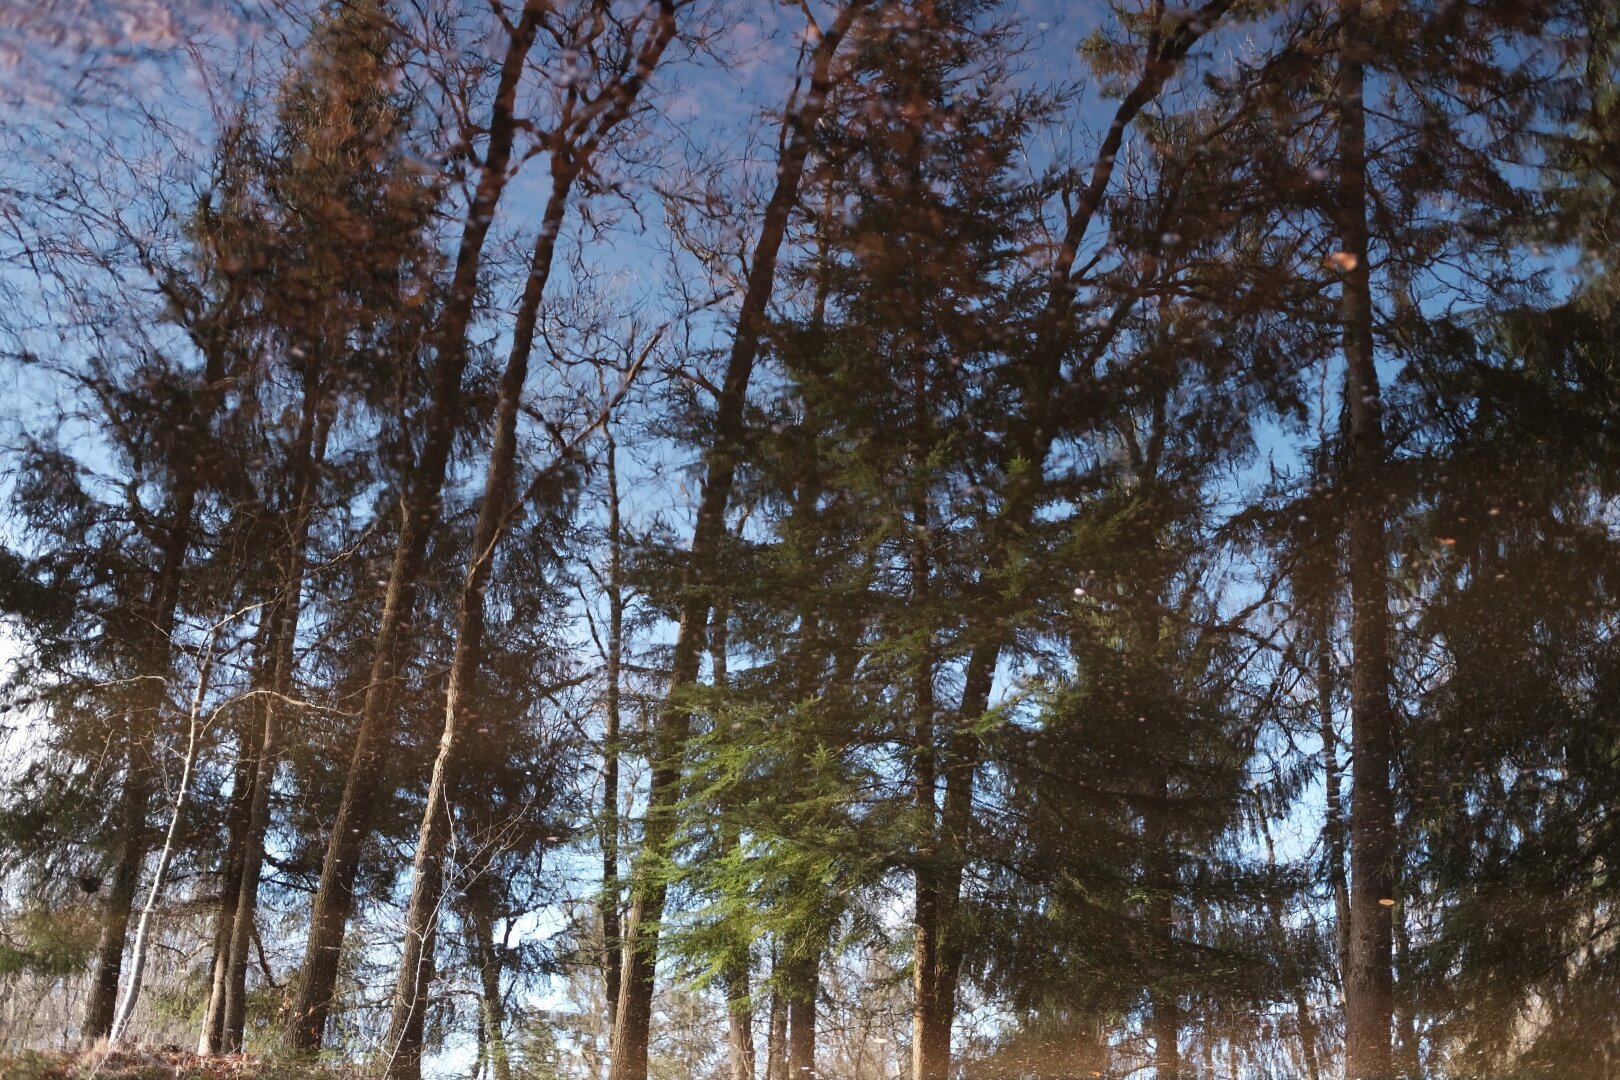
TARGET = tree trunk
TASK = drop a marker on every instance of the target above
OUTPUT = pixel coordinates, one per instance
(234, 1008)
(419, 511)
(492, 1007)
(932, 1013)
(242, 777)
(739, 1024)
(494, 513)
(1369, 991)
(931, 1016)
(801, 1014)
(610, 901)
(269, 747)
(933, 1003)
(160, 876)
(141, 720)
(734, 976)
(964, 751)
(777, 1036)
(633, 1017)
(224, 1026)
(103, 999)
(416, 1022)
(1333, 826)
(1166, 1026)
(571, 153)
(1163, 1003)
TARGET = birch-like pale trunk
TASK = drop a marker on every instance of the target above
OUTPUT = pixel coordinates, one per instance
(143, 930)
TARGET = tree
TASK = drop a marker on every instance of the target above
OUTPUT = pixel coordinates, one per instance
(419, 510)
(632, 1017)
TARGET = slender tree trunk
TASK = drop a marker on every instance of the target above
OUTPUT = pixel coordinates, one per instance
(227, 1008)
(571, 153)
(734, 976)
(334, 898)
(133, 800)
(1369, 989)
(611, 899)
(160, 876)
(142, 719)
(492, 1007)
(233, 1019)
(633, 1017)
(930, 1053)
(416, 1022)
(1333, 827)
(269, 755)
(235, 849)
(210, 1041)
(1166, 1027)
(964, 751)
(1164, 1004)
(932, 1015)
(427, 872)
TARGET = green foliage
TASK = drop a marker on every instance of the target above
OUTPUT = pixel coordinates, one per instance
(48, 944)
(1034, 594)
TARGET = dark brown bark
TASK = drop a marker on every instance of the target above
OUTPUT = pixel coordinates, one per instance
(801, 992)
(633, 1017)
(308, 454)
(419, 511)
(1164, 1006)
(233, 1019)
(734, 977)
(136, 794)
(416, 1022)
(1369, 989)
(1165, 1024)
(739, 1024)
(236, 824)
(931, 1015)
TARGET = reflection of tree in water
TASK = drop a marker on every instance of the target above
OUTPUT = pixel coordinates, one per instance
(932, 538)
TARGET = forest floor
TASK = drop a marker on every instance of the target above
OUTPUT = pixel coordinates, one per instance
(160, 1063)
